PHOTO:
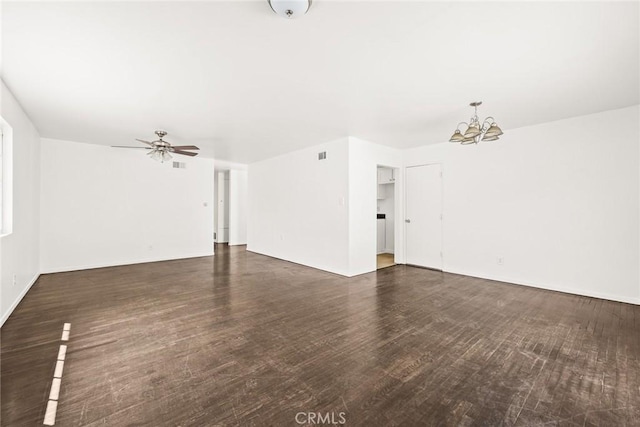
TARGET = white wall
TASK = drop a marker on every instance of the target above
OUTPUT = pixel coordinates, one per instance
(559, 202)
(238, 204)
(364, 158)
(298, 207)
(104, 206)
(19, 251)
(320, 213)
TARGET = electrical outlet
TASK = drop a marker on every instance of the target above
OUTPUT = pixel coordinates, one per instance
(500, 261)
(15, 280)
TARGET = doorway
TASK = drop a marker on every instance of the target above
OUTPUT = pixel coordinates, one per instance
(423, 217)
(230, 210)
(385, 216)
(221, 208)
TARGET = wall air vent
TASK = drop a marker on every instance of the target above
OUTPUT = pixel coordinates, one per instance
(179, 165)
(322, 155)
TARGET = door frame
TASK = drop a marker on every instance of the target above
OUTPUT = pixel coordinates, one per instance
(398, 211)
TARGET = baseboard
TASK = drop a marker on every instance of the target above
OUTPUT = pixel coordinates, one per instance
(566, 290)
(63, 269)
(326, 270)
(13, 306)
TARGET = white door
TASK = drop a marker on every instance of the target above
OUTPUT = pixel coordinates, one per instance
(423, 220)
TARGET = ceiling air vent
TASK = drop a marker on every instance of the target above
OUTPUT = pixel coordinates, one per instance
(322, 155)
(179, 165)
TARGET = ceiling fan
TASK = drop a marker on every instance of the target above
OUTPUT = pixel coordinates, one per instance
(160, 149)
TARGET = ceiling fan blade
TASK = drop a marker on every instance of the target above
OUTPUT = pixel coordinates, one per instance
(145, 142)
(184, 147)
(128, 146)
(184, 153)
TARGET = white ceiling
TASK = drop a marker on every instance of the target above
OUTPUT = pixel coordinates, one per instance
(234, 78)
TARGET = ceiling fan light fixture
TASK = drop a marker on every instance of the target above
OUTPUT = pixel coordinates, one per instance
(155, 155)
(160, 155)
(290, 9)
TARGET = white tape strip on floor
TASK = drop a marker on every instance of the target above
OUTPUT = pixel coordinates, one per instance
(55, 389)
(62, 352)
(54, 393)
(59, 368)
(50, 415)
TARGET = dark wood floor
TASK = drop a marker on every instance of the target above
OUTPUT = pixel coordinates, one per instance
(243, 339)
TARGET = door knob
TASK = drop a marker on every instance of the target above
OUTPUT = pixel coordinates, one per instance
(407, 221)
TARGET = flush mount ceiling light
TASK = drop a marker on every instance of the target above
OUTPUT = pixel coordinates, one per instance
(489, 131)
(290, 8)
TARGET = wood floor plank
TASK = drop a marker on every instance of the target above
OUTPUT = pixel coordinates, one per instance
(241, 339)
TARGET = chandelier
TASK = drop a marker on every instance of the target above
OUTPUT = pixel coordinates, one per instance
(489, 131)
